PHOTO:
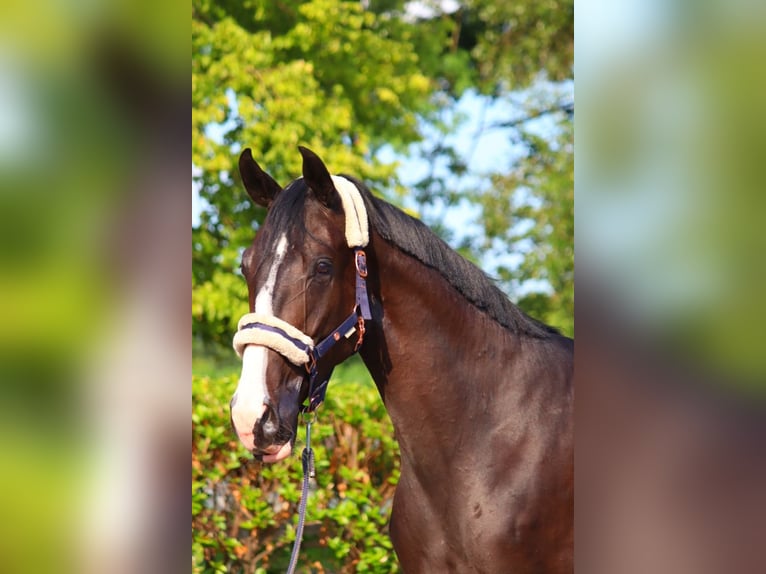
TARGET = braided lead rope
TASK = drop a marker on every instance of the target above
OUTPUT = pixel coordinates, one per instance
(307, 459)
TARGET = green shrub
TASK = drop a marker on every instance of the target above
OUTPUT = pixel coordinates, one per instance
(244, 513)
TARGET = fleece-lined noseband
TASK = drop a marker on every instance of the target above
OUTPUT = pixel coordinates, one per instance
(292, 343)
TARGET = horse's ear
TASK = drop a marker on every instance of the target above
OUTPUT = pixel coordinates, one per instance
(318, 179)
(260, 186)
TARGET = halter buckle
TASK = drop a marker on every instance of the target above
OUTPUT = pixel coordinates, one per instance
(361, 330)
(312, 363)
(361, 263)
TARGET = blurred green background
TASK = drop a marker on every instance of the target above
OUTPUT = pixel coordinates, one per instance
(670, 192)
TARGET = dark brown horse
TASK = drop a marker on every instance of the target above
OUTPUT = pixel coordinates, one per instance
(480, 395)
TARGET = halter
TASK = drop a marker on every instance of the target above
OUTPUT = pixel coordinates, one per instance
(292, 343)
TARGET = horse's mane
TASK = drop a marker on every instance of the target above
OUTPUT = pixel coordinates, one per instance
(414, 238)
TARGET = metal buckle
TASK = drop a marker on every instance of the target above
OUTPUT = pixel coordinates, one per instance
(312, 363)
(361, 330)
(361, 263)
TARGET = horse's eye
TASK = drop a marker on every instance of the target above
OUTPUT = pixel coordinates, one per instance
(323, 267)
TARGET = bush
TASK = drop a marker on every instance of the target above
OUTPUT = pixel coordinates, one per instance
(244, 513)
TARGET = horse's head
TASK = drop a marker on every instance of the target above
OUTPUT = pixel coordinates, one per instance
(300, 276)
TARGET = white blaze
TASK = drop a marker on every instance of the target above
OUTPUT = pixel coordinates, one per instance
(251, 391)
(263, 300)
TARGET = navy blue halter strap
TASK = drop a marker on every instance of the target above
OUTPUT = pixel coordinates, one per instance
(353, 323)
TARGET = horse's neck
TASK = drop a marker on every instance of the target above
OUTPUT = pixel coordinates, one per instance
(432, 354)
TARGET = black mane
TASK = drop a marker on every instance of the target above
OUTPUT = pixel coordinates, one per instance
(414, 238)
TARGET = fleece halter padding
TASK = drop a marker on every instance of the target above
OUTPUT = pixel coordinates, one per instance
(275, 334)
(357, 227)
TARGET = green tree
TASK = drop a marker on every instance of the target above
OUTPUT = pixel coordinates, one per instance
(531, 211)
(519, 54)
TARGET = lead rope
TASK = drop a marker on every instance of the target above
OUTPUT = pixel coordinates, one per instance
(307, 459)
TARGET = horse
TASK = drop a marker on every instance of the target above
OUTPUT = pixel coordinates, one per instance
(480, 395)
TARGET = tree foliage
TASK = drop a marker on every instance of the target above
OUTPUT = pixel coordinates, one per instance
(351, 79)
(531, 211)
(516, 41)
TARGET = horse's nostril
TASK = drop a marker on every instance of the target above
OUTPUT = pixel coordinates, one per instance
(270, 425)
(266, 427)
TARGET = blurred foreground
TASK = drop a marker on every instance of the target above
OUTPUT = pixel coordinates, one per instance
(671, 363)
(95, 330)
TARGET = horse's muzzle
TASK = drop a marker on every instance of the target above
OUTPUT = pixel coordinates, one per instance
(272, 438)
